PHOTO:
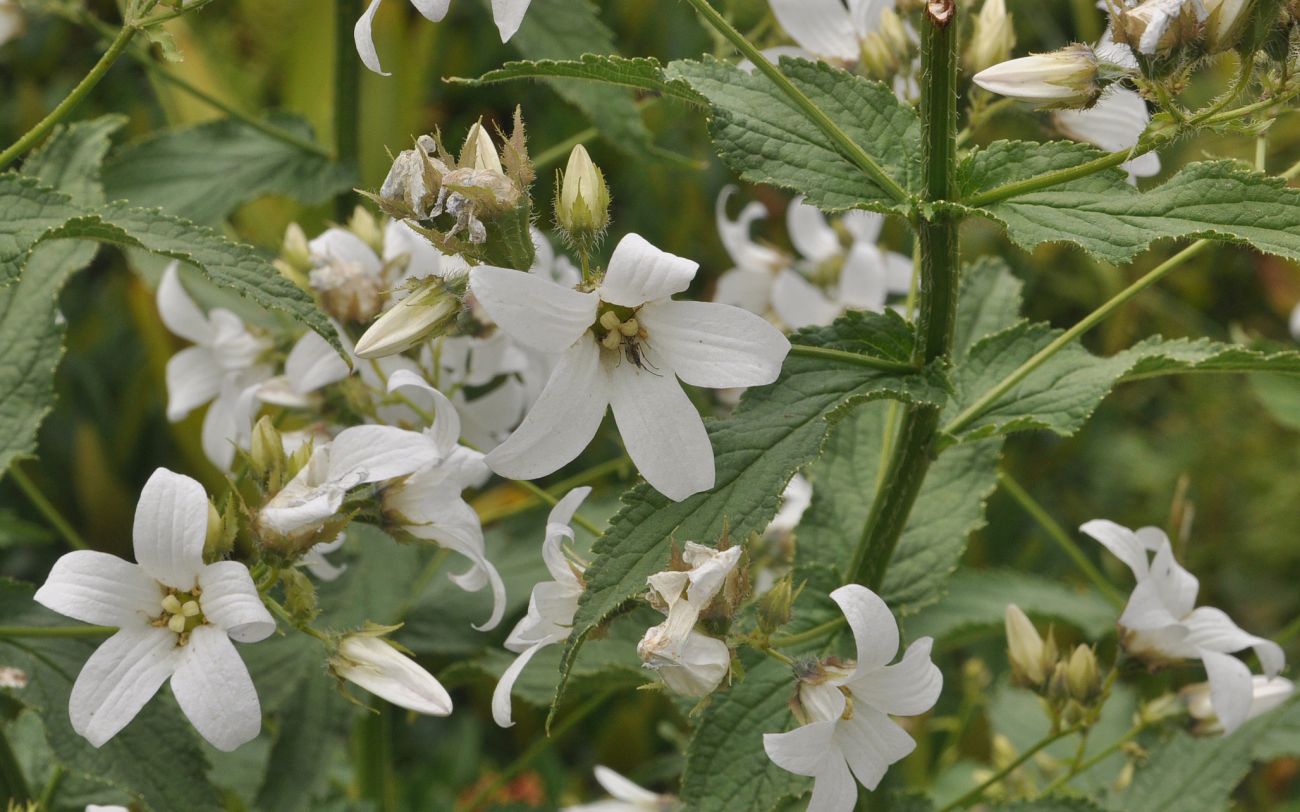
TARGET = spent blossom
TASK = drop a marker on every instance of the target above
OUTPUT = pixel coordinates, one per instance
(624, 346)
(176, 617)
(1161, 623)
(845, 708)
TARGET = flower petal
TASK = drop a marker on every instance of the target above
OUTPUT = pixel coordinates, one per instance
(99, 588)
(214, 690)
(384, 671)
(735, 236)
(800, 303)
(1231, 688)
(804, 750)
(863, 283)
(663, 432)
(750, 288)
(178, 311)
(875, 632)
(871, 741)
(229, 421)
(364, 38)
(812, 236)
(193, 378)
(230, 601)
(532, 310)
(313, 364)
(171, 523)
(118, 679)
(624, 790)
(562, 421)
(908, 688)
(1122, 543)
(1177, 586)
(639, 273)
(501, 710)
(1212, 630)
(509, 14)
(562, 512)
(363, 454)
(466, 538)
(822, 26)
(714, 345)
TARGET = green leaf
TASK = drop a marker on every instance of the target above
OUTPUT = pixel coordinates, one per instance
(30, 214)
(204, 172)
(568, 29)
(978, 598)
(639, 73)
(1280, 395)
(311, 731)
(1004, 162)
(1114, 221)
(134, 759)
(71, 160)
(761, 134)
(949, 508)
(989, 301)
(776, 430)
(1063, 392)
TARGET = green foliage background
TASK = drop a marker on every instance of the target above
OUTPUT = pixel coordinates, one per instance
(1200, 451)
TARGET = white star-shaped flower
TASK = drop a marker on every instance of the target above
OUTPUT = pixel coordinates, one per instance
(1160, 623)
(222, 367)
(508, 15)
(551, 606)
(624, 346)
(176, 617)
(848, 733)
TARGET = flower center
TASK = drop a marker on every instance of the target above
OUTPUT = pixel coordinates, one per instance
(181, 613)
(618, 330)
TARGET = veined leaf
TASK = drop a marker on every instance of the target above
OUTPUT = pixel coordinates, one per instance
(776, 430)
(568, 29)
(638, 73)
(1114, 221)
(1004, 162)
(1060, 395)
(761, 134)
(71, 160)
(204, 172)
(978, 599)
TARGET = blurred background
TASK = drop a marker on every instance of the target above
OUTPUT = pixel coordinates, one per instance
(1212, 458)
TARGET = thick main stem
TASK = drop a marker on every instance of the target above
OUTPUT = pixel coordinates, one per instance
(347, 95)
(936, 317)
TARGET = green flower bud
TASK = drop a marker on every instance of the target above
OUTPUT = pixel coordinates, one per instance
(583, 205)
(1082, 677)
(425, 313)
(994, 36)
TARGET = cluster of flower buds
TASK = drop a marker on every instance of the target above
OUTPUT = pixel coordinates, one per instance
(993, 39)
(1162, 27)
(889, 48)
(1070, 684)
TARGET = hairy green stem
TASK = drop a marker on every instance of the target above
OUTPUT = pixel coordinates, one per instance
(30, 138)
(936, 316)
(815, 633)
(347, 96)
(1095, 759)
(989, 398)
(978, 792)
(46, 509)
(857, 359)
(811, 111)
(373, 759)
(1056, 178)
(485, 793)
(46, 801)
(1057, 533)
(13, 632)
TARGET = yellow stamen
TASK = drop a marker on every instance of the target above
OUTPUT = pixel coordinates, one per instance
(176, 623)
(629, 328)
(190, 609)
(171, 604)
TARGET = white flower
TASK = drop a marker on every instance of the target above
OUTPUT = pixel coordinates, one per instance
(827, 28)
(867, 275)
(626, 796)
(357, 456)
(1114, 123)
(176, 617)
(371, 662)
(312, 364)
(221, 367)
(1267, 693)
(690, 663)
(1063, 78)
(624, 346)
(1159, 25)
(508, 14)
(551, 606)
(848, 733)
(1159, 623)
(429, 505)
(749, 283)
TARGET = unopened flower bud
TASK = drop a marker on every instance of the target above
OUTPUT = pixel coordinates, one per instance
(1226, 22)
(583, 206)
(1026, 649)
(994, 36)
(479, 152)
(886, 49)
(1064, 78)
(425, 313)
(369, 661)
(213, 540)
(774, 606)
(266, 451)
(1082, 677)
(294, 250)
